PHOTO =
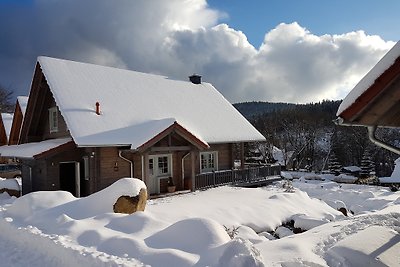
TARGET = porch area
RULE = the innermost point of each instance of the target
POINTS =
(251, 176)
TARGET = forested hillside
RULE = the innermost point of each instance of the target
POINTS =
(308, 136)
(252, 109)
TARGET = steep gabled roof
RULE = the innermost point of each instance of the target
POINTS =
(5, 127)
(375, 100)
(35, 149)
(22, 101)
(19, 113)
(136, 107)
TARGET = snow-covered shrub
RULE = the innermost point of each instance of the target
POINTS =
(288, 186)
(232, 232)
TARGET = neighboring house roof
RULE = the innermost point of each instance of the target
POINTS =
(19, 113)
(136, 107)
(375, 100)
(34, 149)
(22, 102)
(352, 168)
(6, 121)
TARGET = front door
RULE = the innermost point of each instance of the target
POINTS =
(160, 166)
(69, 173)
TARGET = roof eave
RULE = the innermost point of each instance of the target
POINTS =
(102, 145)
(366, 99)
(190, 137)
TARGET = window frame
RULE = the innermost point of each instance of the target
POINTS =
(156, 170)
(209, 157)
(53, 119)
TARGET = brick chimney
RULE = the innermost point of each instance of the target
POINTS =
(195, 78)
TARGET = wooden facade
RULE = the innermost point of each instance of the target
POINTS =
(374, 102)
(16, 125)
(101, 166)
(3, 134)
(379, 104)
(85, 170)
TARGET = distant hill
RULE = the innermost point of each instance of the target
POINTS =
(253, 109)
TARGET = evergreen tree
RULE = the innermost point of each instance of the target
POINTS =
(367, 164)
(334, 165)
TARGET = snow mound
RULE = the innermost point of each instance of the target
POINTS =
(34, 202)
(374, 246)
(187, 230)
(293, 202)
(336, 204)
(282, 232)
(138, 223)
(307, 222)
(248, 233)
(240, 253)
(206, 233)
(28, 246)
(48, 205)
(344, 178)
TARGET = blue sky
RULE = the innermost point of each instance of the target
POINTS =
(313, 50)
(256, 17)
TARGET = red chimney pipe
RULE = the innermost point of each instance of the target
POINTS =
(97, 108)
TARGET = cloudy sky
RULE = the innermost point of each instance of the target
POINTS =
(278, 51)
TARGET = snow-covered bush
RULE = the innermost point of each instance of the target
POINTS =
(288, 186)
(232, 232)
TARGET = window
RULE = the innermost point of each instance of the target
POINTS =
(151, 166)
(86, 167)
(53, 119)
(208, 161)
(160, 165)
(163, 165)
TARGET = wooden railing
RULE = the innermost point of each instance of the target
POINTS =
(247, 175)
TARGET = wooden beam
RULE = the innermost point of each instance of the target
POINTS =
(193, 168)
(383, 109)
(170, 148)
(363, 102)
(145, 170)
(242, 155)
(33, 95)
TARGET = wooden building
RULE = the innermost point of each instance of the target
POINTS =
(19, 113)
(5, 126)
(375, 101)
(86, 126)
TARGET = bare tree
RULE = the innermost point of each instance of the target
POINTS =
(6, 104)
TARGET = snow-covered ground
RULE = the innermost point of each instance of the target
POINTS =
(57, 229)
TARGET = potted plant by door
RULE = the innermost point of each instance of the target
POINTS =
(171, 186)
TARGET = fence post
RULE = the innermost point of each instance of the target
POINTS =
(213, 176)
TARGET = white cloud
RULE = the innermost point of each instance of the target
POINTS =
(177, 38)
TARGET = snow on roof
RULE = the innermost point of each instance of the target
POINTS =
(135, 107)
(23, 102)
(352, 168)
(29, 150)
(7, 122)
(370, 78)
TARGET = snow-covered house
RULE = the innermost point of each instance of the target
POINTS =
(87, 126)
(5, 127)
(375, 100)
(19, 113)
